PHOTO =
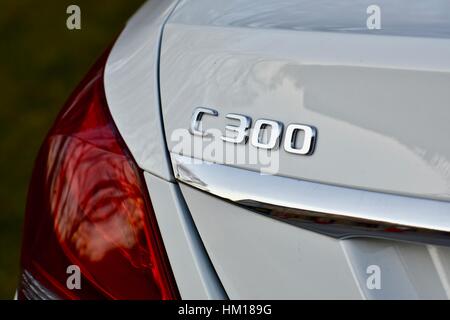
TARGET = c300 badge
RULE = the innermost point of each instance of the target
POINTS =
(241, 132)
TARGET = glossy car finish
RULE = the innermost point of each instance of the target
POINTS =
(132, 86)
(132, 92)
(378, 100)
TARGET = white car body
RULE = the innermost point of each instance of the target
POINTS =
(379, 100)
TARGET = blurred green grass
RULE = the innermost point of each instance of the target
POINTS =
(41, 62)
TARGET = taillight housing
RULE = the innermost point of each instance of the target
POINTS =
(88, 206)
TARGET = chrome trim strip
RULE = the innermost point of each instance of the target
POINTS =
(32, 289)
(331, 210)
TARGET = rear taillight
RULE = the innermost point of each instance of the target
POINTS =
(88, 206)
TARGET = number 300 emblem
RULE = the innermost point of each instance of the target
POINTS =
(240, 133)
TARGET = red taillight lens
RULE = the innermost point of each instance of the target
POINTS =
(88, 206)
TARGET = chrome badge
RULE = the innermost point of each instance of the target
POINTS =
(241, 132)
